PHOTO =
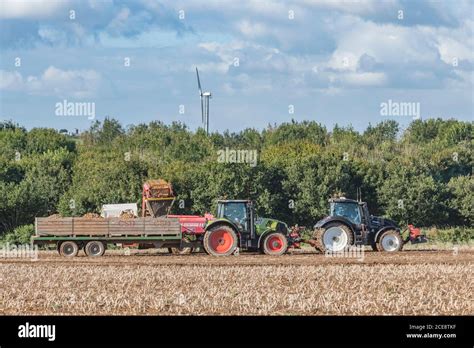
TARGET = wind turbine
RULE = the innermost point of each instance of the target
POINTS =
(205, 96)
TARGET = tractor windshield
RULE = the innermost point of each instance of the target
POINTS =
(235, 212)
(348, 210)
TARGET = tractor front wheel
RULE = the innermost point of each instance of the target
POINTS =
(220, 240)
(390, 241)
(275, 244)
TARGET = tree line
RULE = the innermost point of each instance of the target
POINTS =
(421, 175)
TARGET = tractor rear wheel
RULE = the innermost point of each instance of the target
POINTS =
(390, 241)
(275, 244)
(220, 240)
(333, 237)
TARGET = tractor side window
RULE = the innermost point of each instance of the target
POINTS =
(237, 213)
(348, 210)
(357, 217)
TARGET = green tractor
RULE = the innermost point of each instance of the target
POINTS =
(237, 227)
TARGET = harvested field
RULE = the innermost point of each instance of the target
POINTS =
(412, 282)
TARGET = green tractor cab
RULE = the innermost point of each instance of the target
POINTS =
(350, 223)
(237, 227)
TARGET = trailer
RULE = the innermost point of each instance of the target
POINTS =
(72, 234)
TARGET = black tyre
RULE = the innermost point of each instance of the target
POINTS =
(68, 249)
(182, 251)
(220, 240)
(94, 249)
(390, 241)
(334, 237)
(275, 244)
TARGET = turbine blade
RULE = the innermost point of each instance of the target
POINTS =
(199, 82)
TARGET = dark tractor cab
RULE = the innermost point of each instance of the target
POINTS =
(350, 223)
(236, 225)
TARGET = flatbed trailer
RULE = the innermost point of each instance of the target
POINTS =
(71, 234)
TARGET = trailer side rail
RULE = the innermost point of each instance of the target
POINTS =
(113, 227)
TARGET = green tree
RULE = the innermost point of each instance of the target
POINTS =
(409, 197)
(462, 200)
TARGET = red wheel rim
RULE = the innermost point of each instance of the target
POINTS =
(274, 243)
(221, 241)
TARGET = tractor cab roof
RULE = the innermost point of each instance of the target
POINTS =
(345, 200)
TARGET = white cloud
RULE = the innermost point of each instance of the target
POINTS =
(53, 81)
(387, 43)
(51, 34)
(359, 7)
(10, 80)
(225, 52)
(252, 29)
(120, 21)
(454, 43)
(31, 8)
(364, 79)
(450, 48)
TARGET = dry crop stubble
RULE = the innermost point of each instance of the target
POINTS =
(201, 284)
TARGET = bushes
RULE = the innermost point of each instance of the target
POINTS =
(462, 199)
(451, 235)
(20, 235)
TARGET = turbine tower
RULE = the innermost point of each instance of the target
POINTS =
(205, 96)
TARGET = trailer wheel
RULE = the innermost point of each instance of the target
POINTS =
(275, 244)
(390, 241)
(68, 249)
(94, 248)
(220, 240)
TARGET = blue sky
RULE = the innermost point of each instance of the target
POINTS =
(332, 61)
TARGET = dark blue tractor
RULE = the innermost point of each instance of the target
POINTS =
(350, 223)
